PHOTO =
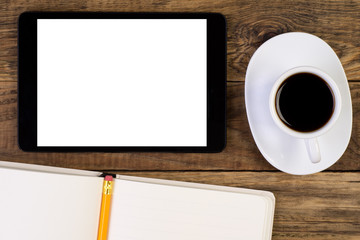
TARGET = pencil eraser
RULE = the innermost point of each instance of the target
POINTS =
(108, 178)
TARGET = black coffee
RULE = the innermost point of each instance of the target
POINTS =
(304, 102)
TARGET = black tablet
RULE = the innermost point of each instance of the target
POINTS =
(118, 82)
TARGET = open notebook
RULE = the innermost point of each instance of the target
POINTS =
(43, 203)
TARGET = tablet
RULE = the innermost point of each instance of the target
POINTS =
(118, 82)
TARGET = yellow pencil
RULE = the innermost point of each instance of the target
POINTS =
(105, 208)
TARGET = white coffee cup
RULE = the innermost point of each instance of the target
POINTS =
(311, 136)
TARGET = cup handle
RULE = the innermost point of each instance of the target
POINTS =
(313, 150)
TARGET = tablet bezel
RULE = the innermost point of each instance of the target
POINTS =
(27, 81)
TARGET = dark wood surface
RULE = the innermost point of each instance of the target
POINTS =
(325, 205)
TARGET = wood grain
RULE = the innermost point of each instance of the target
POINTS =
(317, 207)
(323, 206)
(250, 23)
(241, 152)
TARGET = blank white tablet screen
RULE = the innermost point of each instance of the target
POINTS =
(121, 82)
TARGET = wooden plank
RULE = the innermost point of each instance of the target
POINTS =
(250, 23)
(241, 152)
(322, 206)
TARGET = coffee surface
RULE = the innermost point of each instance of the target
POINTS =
(304, 102)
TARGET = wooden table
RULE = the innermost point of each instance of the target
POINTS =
(325, 205)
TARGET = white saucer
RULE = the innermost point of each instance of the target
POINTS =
(270, 60)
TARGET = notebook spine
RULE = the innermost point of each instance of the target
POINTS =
(107, 174)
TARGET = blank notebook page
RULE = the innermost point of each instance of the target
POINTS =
(48, 206)
(158, 212)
